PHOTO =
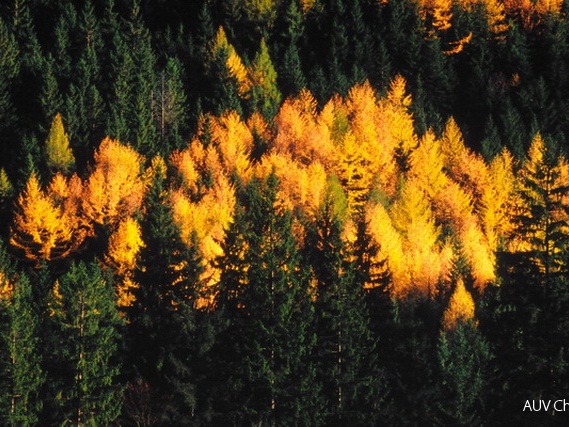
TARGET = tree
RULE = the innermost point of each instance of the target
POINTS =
(115, 188)
(58, 151)
(264, 347)
(163, 317)
(170, 110)
(21, 374)
(9, 69)
(463, 355)
(42, 229)
(265, 95)
(122, 254)
(345, 350)
(85, 327)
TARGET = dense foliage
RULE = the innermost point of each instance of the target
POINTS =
(284, 212)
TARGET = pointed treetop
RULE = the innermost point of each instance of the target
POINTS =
(460, 308)
(58, 151)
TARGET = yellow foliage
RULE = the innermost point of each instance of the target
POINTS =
(208, 218)
(234, 141)
(497, 198)
(390, 242)
(299, 133)
(478, 254)
(115, 189)
(184, 164)
(460, 308)
(58, 151)
(124, 245)
(6, 287)
(301, 187)
(235, 67)
(413, 218)
(427, 166)
(41, 228)
(397, 120)
(6, 188)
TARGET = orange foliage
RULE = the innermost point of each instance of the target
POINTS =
(300, 134)
(124, 246)
(234, 142)
(115, 188)
(42, 228)
(460, 308)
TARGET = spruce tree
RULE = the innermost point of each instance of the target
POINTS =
(263, 357)
(346, 350)
(83, 347)
(21, 374)
(265, 95)
(162, 330)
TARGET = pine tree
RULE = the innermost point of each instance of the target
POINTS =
(263, 366)
(144, 135)
(85, 333)
(9, 70)
(21, 374)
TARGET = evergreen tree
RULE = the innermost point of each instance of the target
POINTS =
(9, 69)
(21, 374)
(263, 366)
(170, 110)
(265, 95)
(83, 347)
(346, 352)
(163, 325)
(463, 355)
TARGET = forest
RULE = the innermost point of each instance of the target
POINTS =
(284, 212)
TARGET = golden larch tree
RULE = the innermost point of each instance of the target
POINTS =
(460, 308)
(42, 230)
(124, 245)
(234, 142)
(116, 186)
(57, 148)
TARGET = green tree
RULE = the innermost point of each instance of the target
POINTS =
(9, 70)
(263, 367)
(162, 330)
(346, 351)
(21, 374)
(83, 347)
(463, 355)
(265, 95)
(170, 110)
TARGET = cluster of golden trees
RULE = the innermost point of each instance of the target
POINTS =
(427, 200)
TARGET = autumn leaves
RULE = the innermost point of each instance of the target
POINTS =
(426, 200)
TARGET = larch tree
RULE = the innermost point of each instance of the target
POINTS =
(42, 229)
(57, 148)
(122, 254)
(115, 188)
